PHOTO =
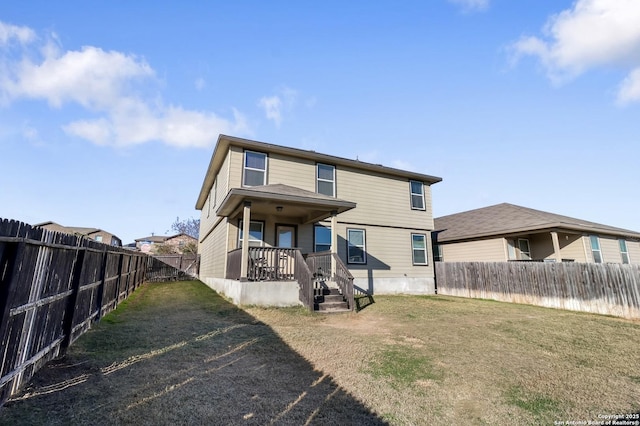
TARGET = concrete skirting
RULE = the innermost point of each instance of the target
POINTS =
(399, 285)
(260, 293)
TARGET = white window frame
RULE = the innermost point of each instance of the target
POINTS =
(413, 249)
(624, 254)
(511, 250)
(597, 250)
(315, 240)
(420, 194)
(363, 247)
(252, 242)
(319, 179)
(245, 168)
(524, 253)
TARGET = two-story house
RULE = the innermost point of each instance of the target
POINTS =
(311, 217)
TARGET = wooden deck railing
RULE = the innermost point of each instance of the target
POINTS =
(320, 264)
(304, 276)
(265, 264)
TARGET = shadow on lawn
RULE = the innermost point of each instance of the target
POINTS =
(197, 360)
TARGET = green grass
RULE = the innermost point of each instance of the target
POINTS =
(402, 366)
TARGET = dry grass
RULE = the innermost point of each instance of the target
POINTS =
(179, 354)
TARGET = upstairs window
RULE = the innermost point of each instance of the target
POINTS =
(326, 179)
(356, 249)
(321, 238)
(417, 195)
(623, 251)
(255, 169)
(595, 249)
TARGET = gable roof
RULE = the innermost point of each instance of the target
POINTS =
(505, 219)
(153, 238)
(224, 142)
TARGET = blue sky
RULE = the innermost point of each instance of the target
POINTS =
(109, 112)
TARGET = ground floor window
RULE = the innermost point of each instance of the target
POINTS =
(321, 238)
(623, 251)
(256, 233)
(419, 248)
(525, 251)
(356, 250)
(595, 249)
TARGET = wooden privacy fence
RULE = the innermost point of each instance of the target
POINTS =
(188, 263)
(53, 286)
(609, 289)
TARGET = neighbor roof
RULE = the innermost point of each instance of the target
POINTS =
(505, 218)
(225, 141)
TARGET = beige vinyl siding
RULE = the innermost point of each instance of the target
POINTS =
(541, 246)
(388, 251)
(292, 171)
(213, 252)
(492, 250)
(381, 200)
(236, 163)
(571, 247)
(609, 249)
(634, 252)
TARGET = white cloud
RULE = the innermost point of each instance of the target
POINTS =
(594, 33)
(275, 106)
(8, 32)
(272, 106)
(471, 5)
(629, 90)
(111, 85)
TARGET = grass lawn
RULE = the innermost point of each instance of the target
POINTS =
(177, 353)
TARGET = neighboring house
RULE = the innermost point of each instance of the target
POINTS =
(182, 243)
(149, 244)
(295, 203)
(177, 243)
(506, 232)
(96, 234)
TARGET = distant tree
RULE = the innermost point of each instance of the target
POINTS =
(165, 249)
(188, 226)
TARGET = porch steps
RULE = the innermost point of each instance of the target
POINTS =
(330, 301)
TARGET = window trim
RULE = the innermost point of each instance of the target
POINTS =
(245, 168)
(624, 254)
(413, 250)
(421, 194)
(240, 231)
(319, 179)
(595, 238)
(520, 251)
(315, 243)
(363, 247)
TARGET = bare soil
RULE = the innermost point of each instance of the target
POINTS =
(177, 353)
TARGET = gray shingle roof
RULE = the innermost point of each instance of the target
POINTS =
(507, 218)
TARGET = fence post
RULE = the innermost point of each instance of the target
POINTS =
(103, 273)
(67, 325)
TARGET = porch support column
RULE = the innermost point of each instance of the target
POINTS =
(246, 223)
(334, 240)
(556, 246)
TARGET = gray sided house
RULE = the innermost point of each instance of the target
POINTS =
(506, 232)
(336, 219)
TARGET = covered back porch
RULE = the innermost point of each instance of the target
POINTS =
(265, 260)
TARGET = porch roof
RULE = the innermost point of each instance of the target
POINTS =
(283, 199)
(508, 219)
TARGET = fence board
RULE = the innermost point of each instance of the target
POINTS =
(610, 289)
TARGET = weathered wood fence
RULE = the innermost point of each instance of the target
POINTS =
(188, 263)
(53, 286)
(610, 289)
